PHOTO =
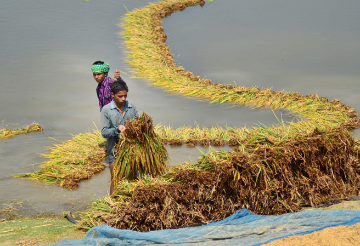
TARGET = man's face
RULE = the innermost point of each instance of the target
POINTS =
(120, 97)
(99, 77)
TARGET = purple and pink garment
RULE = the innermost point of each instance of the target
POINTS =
(103, 91)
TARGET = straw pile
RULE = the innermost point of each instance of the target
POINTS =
(266, 180)
(140, 151)
(8, 133)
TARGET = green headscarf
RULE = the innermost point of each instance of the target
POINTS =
(100, 68)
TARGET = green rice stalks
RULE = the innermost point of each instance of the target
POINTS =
(140, 151)
(8, 133)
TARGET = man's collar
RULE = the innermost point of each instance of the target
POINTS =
(112, 104)
(127, 104)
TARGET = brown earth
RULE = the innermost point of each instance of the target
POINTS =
(339, 235)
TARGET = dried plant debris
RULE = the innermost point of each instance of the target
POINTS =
(8, 133)
(262, 178)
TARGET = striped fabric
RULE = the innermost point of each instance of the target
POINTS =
(103, 91)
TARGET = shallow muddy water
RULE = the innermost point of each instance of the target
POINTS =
(47, 48)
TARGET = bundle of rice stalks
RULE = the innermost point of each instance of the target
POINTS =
(265, 179)
(191, 136)
(103, 209)
(72, 161)
(7, 133)
(303, 171)
(140, 151)
(152, 59)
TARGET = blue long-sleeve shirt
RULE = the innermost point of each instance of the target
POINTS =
(111, 119)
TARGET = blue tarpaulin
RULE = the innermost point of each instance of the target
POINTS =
(242, 228)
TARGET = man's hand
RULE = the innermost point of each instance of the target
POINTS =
(117, 74)
(121, 128)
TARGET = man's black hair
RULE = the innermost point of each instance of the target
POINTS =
(119, 85)
(98, 62)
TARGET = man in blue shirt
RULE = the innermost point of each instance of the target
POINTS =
(113, 117)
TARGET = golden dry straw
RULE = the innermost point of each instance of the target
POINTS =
(8, 133)
(140, 152)
(72, 161)
(266, 180)
(150, 58)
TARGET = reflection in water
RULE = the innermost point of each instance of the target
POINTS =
(48, 49)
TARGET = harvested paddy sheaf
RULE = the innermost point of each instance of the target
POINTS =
(150, 58)
(72, 161)
(139, 151)
(306, 170)
(8, 133)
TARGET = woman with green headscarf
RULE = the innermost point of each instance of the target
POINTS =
(100, 71)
